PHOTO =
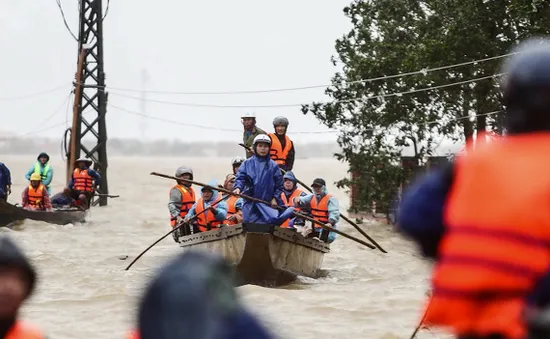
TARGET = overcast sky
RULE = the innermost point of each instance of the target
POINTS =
(185, 46)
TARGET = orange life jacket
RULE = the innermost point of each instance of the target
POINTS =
(82, 181)
(319, 210)
(35, 196)
(205, 221)
(231, 209)
(290, 202)
(187, 201)
(22, 330)
(134, 334)
(497, 240)
(276, 151)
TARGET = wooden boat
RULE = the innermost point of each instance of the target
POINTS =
(10, 213)
(264, 255)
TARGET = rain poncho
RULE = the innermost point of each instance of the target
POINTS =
(220, 210)
(332, 206)
(261, 178)
(193, 297)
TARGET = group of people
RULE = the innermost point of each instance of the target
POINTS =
(37, 195)
(265, 174)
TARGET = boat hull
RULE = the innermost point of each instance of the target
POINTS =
(264, 255)
(10, 213)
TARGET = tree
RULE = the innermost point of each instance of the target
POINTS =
(402, 36)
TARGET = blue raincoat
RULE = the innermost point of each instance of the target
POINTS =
(220, 210)
(261, 178)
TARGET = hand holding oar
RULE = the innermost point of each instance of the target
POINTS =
(359, 229)
(323, 226)
(176, 228)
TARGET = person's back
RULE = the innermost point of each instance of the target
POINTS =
(484, 217)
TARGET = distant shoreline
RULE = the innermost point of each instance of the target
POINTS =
(159, 148)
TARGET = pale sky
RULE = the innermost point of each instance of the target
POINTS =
(185, 46)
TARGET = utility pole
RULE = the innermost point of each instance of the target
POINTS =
(90, 100)
(143, 102)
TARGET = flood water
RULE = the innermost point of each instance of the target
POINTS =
(84, 291)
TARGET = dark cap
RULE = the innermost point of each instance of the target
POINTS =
(319, 182)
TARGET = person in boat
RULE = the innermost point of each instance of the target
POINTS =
(236, 163)
(193, 297)
(63, 199)
(324, 207)
(234, 204)
(35, 196)
(483, 217)
(291, 191)
(83, 182)
(282, 148)
(43, 168)
(251, 131)
(5, 181)
(214, 215)
(182, 198)
(261, 178)
(17, 283)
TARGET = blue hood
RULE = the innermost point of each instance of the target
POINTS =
(212, 183)
(290, 176)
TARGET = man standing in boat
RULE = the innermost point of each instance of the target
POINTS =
(83, 182)
(282, 148)
(324, 207)
(43, 168)
(261, 178)
(17, 283)
(35, 196)
(251, 131)
(213, 217)
(5, 181)
(182, 198)
(291, 191)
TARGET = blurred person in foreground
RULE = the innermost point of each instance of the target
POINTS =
(17, 282)
(193, 297)
(484, 218)
(5, 181)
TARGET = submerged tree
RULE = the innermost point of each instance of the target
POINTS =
(380, 117)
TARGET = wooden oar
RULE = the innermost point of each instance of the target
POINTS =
(106, 195)
(359, 229)
(299, 215)
(176, 228)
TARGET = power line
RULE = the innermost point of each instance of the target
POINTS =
(49, 117)
(203, 126)
(292, 132)
(106, 10)
(34, 94)
(300, 104)
(64, 19)
(398, 75)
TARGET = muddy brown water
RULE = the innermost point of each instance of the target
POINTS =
(84, 291)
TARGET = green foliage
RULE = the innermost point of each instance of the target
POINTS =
(399, 36)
